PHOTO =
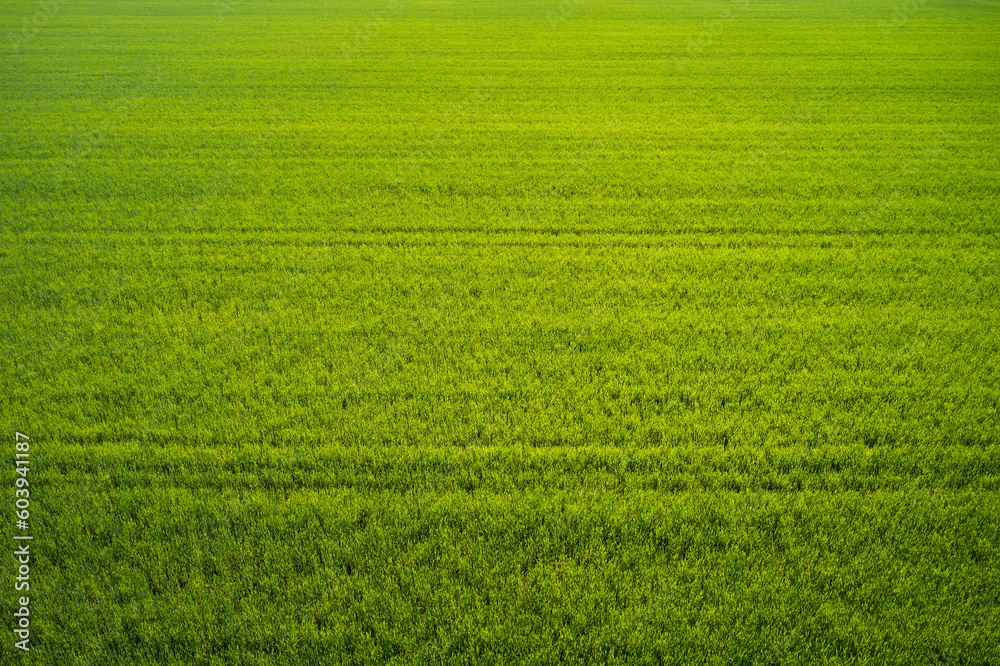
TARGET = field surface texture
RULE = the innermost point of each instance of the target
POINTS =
(482, 332)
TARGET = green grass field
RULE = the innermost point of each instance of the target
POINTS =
(502, 332)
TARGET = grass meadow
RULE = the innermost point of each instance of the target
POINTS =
(502, 331)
